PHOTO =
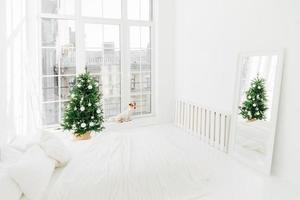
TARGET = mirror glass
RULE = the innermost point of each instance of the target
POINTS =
(257, 94)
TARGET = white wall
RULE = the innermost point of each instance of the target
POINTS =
(164, 56)
(209, 36)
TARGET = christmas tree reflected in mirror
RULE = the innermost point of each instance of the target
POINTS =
(254, 106)
(257, 97)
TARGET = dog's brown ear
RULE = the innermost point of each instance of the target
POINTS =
(134, 103)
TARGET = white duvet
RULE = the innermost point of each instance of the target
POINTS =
(135, 165)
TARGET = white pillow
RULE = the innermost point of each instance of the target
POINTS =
(9, 190)
(55, 148)
(9, 154)
(22, 143)
(32, 172)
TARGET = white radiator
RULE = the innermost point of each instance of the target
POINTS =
(210, 125)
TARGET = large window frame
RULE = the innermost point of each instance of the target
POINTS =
(124, 26)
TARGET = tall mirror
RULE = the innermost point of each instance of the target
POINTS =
(255, 117)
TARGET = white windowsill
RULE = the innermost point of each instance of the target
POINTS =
(139, 121)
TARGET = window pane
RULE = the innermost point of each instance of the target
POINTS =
(111, 106)
(101, 8)
(50, 88)
(145, 37)
(98, 79)
(58, 33)
(94, 36)
(111, 77)
(139, 9)
(49, 63)
(145, 10)
(66, 30)
(133, 9)
(146, 60)
(49, 32)
(140, 82)
(135, 82)
(94, 61)
(111, 37)
(143, 104)
(137, 100)
(146, 104)
(68, 61)
(91, 8)
(66, 82)
(146, 82)
(49, 6)
(139, 37)
(58, 7)
(111, 85)
(112, 60)
(135, 37)
(135, 60)
(50, 113)
(63, 108)
(112, 8)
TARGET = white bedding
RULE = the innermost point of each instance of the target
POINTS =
(138, 164)
(51, 184)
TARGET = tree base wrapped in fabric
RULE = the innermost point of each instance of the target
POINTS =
(85, 136)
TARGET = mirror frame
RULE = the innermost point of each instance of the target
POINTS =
(272, 124)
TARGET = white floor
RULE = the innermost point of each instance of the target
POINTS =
(230, 179)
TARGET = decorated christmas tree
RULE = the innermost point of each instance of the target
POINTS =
(254, 107)
(84, 113)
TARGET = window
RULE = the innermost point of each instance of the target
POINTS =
(107, 38)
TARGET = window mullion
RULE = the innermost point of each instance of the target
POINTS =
(79, 27)
(59, 84)
(102, 8)
(56, 16)
(152, 64)
(140, 72)
(125, 68)
(151, 10)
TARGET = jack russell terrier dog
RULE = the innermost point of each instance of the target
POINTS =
(126, 115)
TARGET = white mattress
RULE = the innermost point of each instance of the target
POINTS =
(150, 163)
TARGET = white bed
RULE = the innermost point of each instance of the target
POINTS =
(158, 162)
